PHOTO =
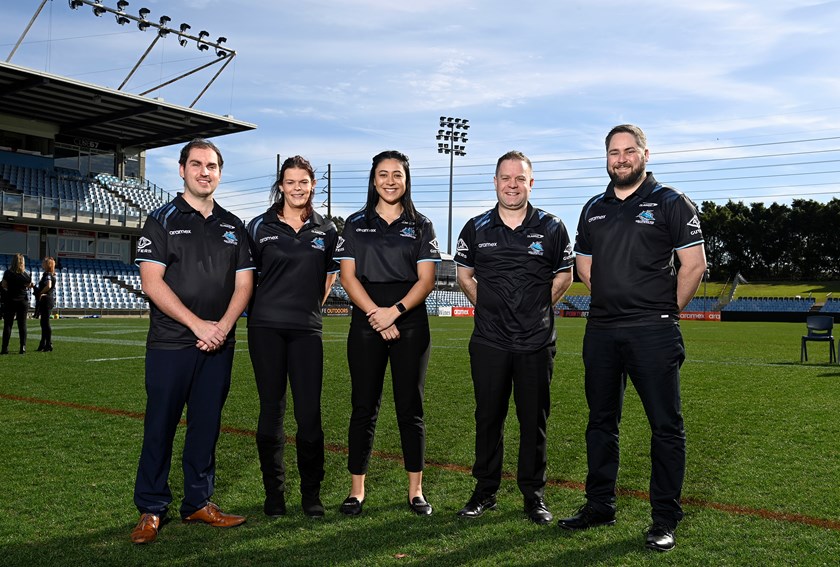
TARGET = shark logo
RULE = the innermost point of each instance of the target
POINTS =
(318, 244)
(230, 238)
(536, 249)
(645, 217)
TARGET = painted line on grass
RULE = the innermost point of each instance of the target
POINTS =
(395, 458)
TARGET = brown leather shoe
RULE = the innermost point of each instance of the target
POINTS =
(211, 514)
(146, 530)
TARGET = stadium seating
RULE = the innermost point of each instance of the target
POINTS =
(83, 284)
(771, 304)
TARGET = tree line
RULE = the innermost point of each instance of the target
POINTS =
(776, 242)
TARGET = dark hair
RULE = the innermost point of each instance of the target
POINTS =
(635, 131)
(18, 265)
(203, 144)
(276, 195)
(373, 196)
(514, 155)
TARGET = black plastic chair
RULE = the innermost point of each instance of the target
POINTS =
(819, 329)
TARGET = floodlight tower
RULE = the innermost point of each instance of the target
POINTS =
(453, 132)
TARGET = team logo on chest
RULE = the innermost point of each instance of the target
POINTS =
(645, 217)
(536, 248)
(408, 232)
(229, 238)
(318, 244)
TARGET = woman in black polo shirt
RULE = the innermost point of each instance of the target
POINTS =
(16, 283)
(388, 252)
(44, 303)
(292, 247)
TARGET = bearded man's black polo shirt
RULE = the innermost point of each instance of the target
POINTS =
(632, 244)
(515, 270)
(292, 269)
(202, 257)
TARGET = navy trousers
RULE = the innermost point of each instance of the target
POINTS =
(175, 378)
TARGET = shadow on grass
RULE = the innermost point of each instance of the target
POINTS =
(380, 537)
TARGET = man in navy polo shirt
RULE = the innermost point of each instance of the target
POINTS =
(627, 238)
(514, 263)
(196, 270)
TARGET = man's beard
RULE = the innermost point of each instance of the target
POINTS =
(634, 176)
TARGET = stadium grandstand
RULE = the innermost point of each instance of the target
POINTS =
(72, 177)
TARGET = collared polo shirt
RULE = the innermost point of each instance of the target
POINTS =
(292, 271)
(387, 253)
(202, 257)
(632, 244)
(515, 269)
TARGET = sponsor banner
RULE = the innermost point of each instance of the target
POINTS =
(444, 311)
(572, 313)
(700, 315)
(463, 311)
(336, 311)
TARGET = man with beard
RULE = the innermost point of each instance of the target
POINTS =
(626, 241)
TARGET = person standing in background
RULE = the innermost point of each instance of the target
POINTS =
(44, 303)
(16, 283)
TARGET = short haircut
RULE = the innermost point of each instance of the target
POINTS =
(635, 131)
(514, 155)
(203, 144)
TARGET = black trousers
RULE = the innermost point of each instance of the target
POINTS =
(651, 356)
(368, 355)
(175, 378)
(495, 373)
(297, 358)
(14, 310)
(45, 315)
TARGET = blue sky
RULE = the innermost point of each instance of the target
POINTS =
(739, 98)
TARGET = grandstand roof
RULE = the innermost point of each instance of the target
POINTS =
(83, 110)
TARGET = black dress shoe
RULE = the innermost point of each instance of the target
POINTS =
(312, 506)
(537, 512)
(275, 505)
(419, 506)
(585, 518)
(660, 538)
(351, 506)
(477, 505)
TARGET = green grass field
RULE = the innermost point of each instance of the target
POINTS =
(761, 485)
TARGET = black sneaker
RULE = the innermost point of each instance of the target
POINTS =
(586, 517)
(660, 538)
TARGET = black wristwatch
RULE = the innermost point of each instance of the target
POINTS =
(400, 307)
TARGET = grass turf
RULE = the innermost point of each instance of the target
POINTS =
(761, 485)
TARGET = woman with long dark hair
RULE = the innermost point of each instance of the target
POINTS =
(388, 253)
(292, 246)
(16, 283)
(44, 303)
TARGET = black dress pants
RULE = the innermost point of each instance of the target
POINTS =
(14, 310)
(495, 373)
(651, 356)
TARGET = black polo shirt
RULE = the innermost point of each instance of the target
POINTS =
(202, 257)
(387, 253)
(292, 270)
(632, 245)
(514, 270)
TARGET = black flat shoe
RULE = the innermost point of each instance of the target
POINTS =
(351, 506)
(419, 506)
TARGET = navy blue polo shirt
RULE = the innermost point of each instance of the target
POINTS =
(515, 269)
(202, 257)
(387, 253)
(292, 271)
(632, 245)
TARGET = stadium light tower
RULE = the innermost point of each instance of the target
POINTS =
(453, 132)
